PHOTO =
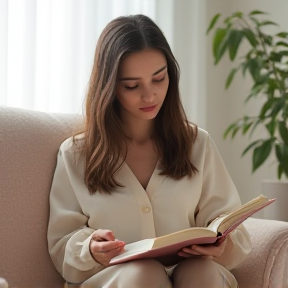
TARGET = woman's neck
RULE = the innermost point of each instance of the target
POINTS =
(139, 131)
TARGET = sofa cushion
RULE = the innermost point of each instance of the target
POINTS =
(267, 265)
(29, 143)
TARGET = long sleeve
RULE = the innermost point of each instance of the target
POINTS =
(219, 195)
(68, 234)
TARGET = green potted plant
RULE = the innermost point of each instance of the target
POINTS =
(265, 58)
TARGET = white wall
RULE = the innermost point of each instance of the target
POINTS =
(188, 42)
(225, 106)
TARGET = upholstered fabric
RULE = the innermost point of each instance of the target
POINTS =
(267, 265)
(29, 142)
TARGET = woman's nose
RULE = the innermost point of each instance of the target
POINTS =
(148, 94)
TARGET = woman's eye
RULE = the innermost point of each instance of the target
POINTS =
(159, 80)
(131, 87)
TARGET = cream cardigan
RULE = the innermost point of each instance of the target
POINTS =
(133, 213)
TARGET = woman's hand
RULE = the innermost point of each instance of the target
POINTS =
(104, 246)
(207, 250)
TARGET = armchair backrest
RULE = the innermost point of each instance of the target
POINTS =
(29, 143)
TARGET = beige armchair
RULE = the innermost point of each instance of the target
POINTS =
(29, 143)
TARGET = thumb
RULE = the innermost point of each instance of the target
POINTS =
(103, 235)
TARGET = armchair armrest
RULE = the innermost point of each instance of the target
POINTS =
(267, 264)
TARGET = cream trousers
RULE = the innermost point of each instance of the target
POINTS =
(149, 273)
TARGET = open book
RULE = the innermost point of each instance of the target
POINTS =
(172, 243)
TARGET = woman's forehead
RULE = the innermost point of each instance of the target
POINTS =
(144, 62)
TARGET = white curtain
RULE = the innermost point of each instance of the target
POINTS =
(47, 47)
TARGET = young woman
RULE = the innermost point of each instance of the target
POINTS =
(139, 170)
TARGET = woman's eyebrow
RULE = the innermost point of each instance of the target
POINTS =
(161, 69)
(137, 78)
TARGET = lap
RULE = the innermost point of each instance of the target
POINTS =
(149, 272)
(202, 272)
(141, 273)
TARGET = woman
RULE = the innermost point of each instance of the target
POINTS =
(139, 170)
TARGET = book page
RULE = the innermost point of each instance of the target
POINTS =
(183, 235)
(214, 225)
(234, 218)
(134, 249)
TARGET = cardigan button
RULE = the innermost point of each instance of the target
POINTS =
(146, 209)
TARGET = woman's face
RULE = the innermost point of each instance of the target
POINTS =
(142, 84)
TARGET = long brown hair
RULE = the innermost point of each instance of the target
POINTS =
(174, 136)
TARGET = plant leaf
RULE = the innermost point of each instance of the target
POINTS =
(213, 22)
(229, 129)
(257, 88)
(255, 66)
(221, 44)
(250, 36)
(219, 36)
(235, 131)
(234, 41)
(261, 153)
(246, 127)
(283, 130)
(280, 151)
(276, 107)
(280, 171)
(282, 156)
(285, 171)
(272, 86)
(250, 146)
(275, 56)
(230, 77)
(256, 123)
(282, 43)
(255, 21)
(267, 39)
(238, 15)
(271, 127)
(256, 12)
(268, 23)
(266, 107)
(283, 53)
(245, 65)
(282, 34)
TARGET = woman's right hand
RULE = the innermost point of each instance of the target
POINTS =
(104, 246)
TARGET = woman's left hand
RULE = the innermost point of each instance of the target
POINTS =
(207, 250)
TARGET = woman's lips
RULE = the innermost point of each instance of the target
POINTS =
(148, 109)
